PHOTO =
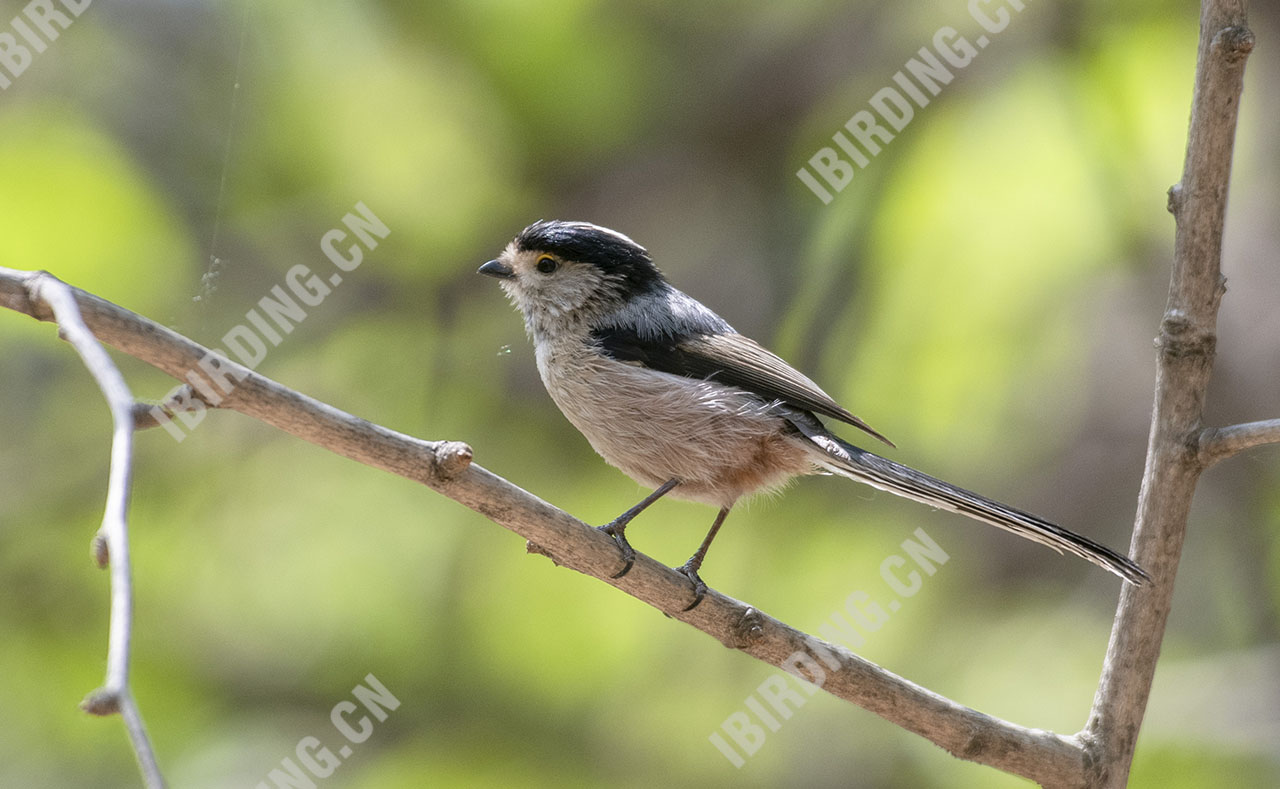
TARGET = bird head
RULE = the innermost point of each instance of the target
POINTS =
(563, 273)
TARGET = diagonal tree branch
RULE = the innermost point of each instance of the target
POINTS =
(1180, 448)
(1186, 345)
(1048, 758)
(1220, 443)
(111, 543)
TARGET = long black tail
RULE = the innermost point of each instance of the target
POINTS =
(879, 472)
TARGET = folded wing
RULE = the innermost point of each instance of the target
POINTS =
(729, 358)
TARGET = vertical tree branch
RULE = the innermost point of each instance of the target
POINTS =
(111, 543)
(1100, 755)
(1186, 348)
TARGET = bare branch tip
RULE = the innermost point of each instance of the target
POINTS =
(101, 702)
(144, 416)
(100, 550)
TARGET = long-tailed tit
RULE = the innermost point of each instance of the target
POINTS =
(667, 391)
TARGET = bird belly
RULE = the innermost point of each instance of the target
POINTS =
(719, 441)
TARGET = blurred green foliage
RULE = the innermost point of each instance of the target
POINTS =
(984, 292)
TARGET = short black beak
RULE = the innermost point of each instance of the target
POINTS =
(496, 268)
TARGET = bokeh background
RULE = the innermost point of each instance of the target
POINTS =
(985, 292)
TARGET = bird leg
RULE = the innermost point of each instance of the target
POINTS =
(691, 567)
(616, 527)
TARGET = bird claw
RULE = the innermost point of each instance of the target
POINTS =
(699, 587)
(624, 547)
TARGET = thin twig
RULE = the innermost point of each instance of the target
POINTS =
(446, 467)
(111, 544)
(1220, 443)
(1187, 343)
(141, 743)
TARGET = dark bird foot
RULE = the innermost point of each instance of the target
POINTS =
(617, 530)
(616, 527)
(690, 570)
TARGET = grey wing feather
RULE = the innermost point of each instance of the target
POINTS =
(740, 361)
(670, 331)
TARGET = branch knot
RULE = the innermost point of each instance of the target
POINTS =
(1180, 337)
(1232, 43)
(748, 629)
(452, 458)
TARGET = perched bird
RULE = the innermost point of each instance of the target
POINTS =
(667, 391)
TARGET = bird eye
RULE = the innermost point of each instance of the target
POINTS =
(547, 264)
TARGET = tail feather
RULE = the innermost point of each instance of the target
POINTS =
(850, 461)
